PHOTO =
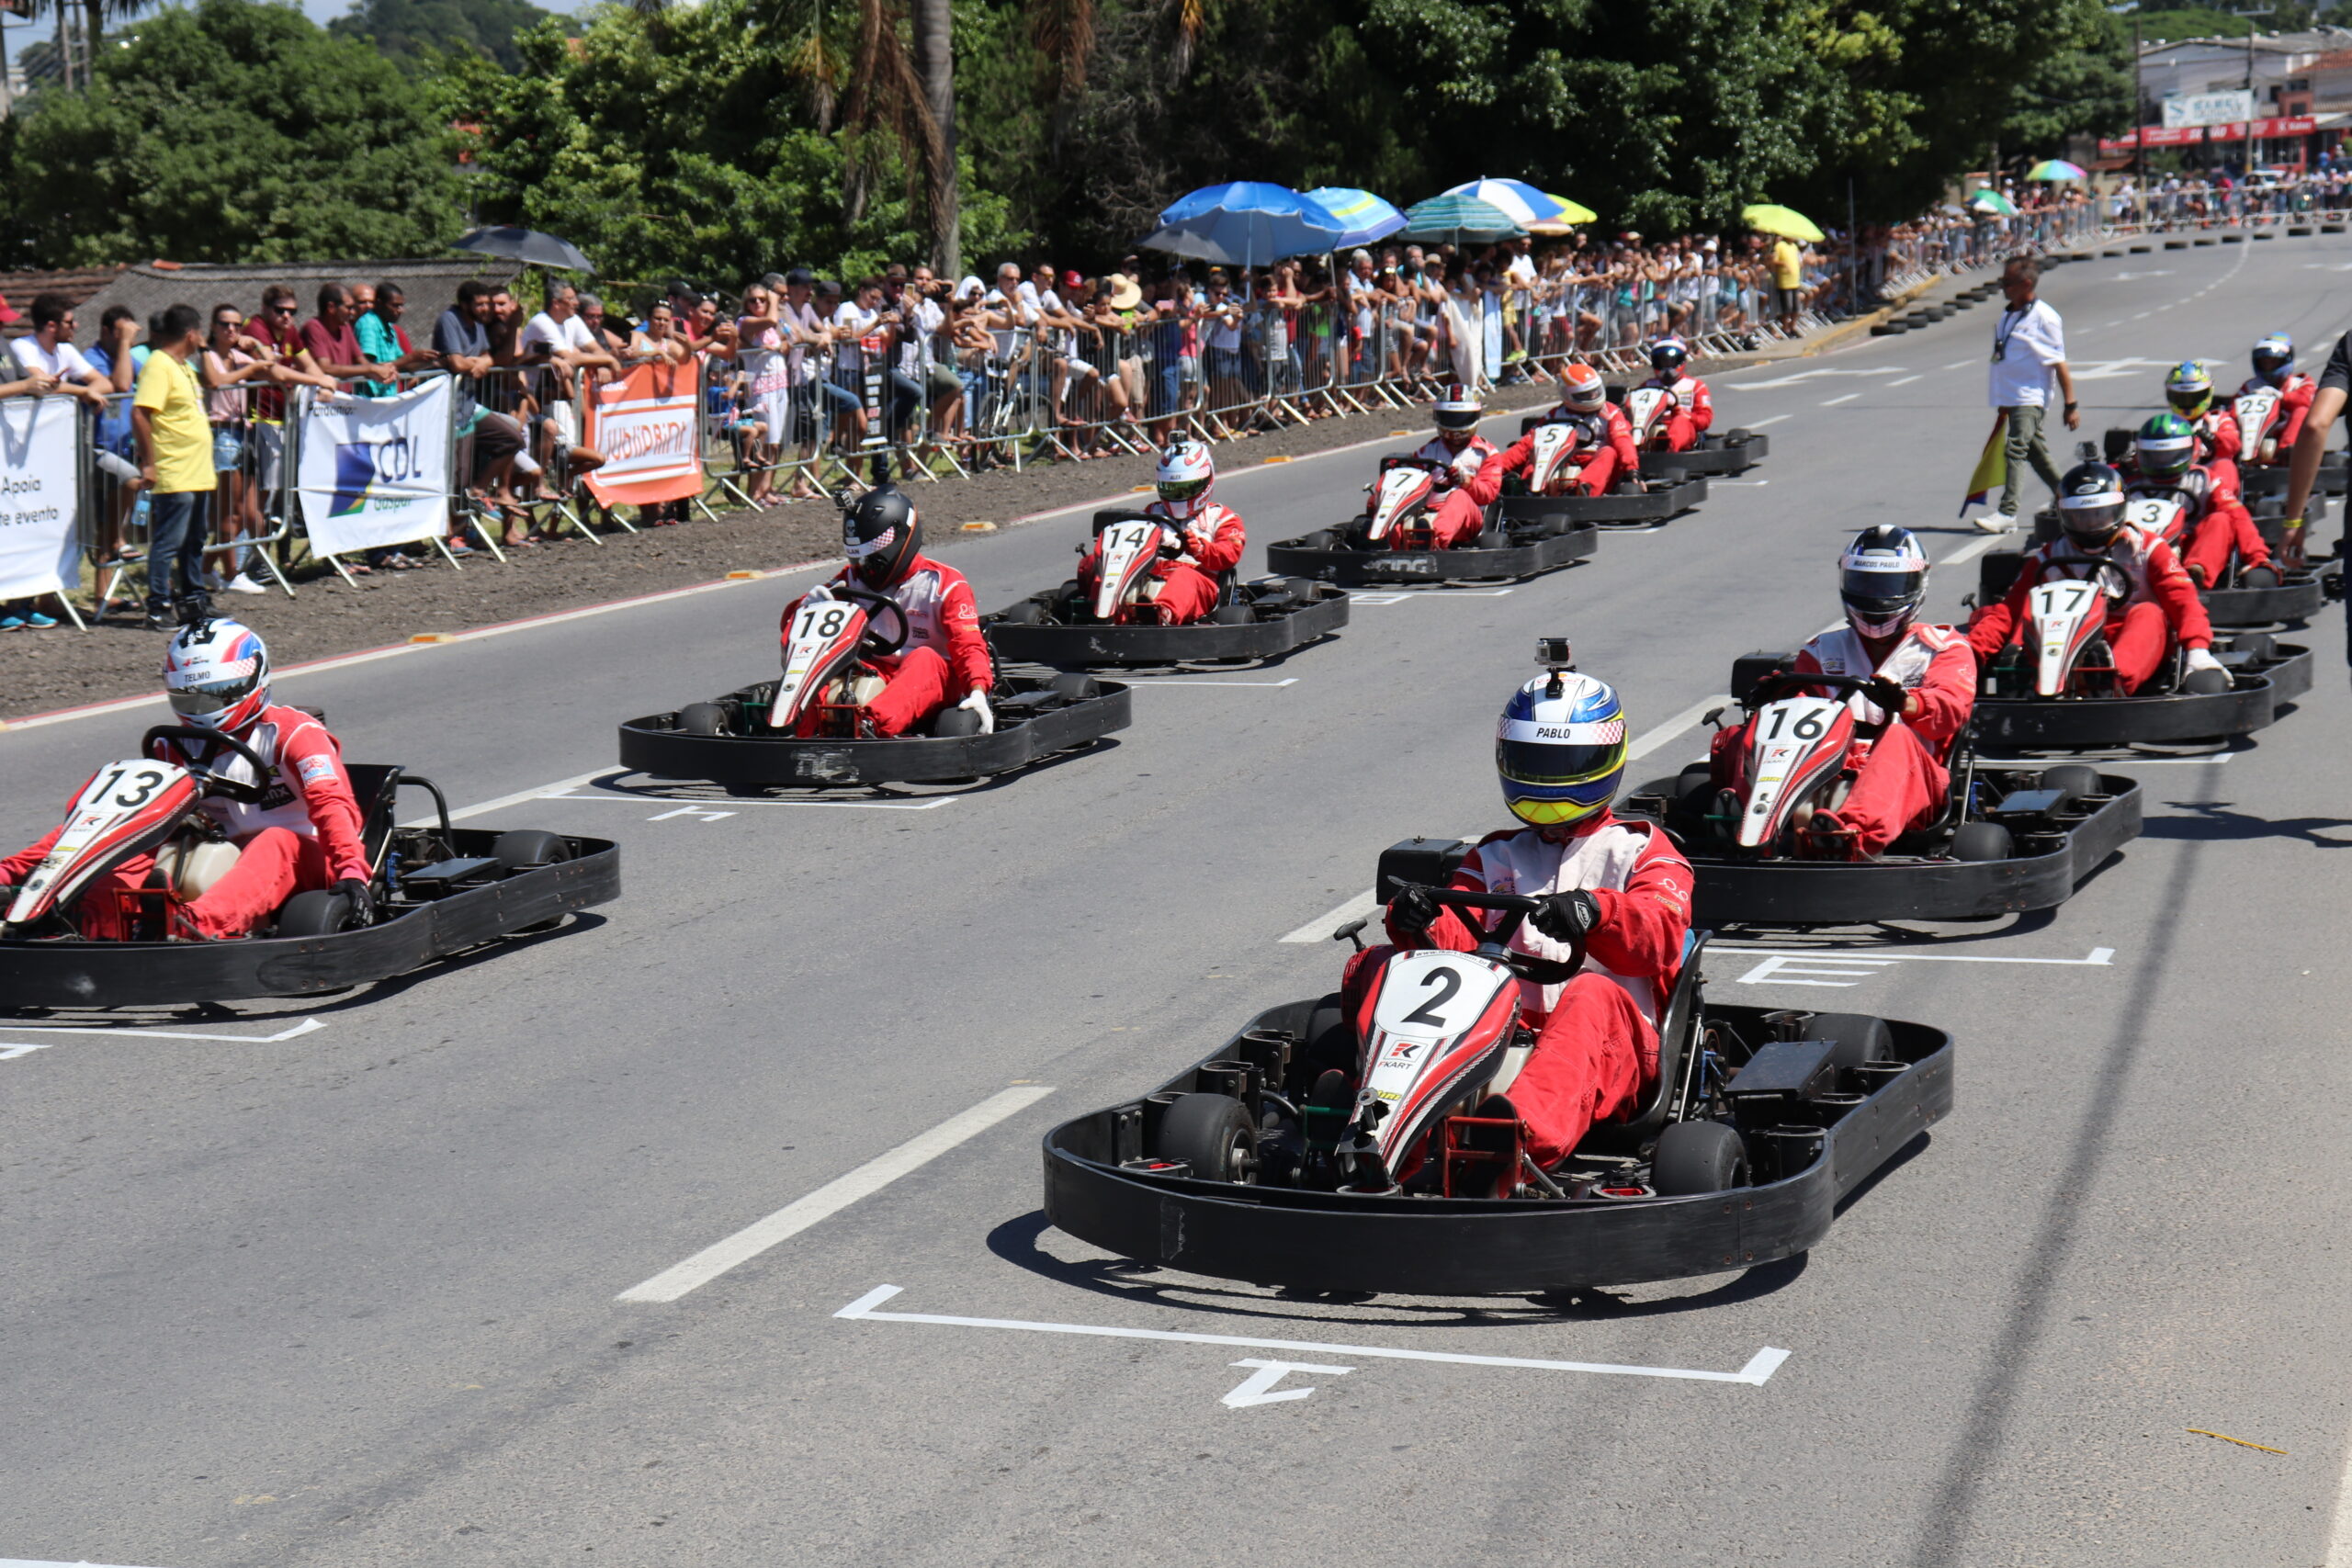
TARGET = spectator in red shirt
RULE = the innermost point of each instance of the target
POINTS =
(333, 345)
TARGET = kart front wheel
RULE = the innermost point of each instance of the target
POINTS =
(1212, 1135)
(319, 912)
(2072, 781)
(1983, 841)
(1858, 1036)
(1698, 1157)
(528, 847)
(702, 718)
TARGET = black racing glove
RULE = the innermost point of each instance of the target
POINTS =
(363, 903)
(1564, 917)
(1889, 693)
(1414, 909)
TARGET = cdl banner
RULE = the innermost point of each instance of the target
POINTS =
(375, 471)
(41, 495)
(644, 426)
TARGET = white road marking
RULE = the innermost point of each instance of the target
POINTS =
(28, 1562)
(1743, 484)
(1252, 1389)
(1790, 968)
(832, 1197)
(1320, 928)
(1264, 685)
(1803, 375)
(1974, 548)
(2339, 1535)
(541, 792)
(1427, 595)
(1760, 424)
(701, 814)
(1904, 382)
(2126, 277)
(11, 1049)
(1848, 398)
(1650, 741)
(1962, 364)
(1760, 1368)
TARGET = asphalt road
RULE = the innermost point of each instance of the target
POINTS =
(349, 1297)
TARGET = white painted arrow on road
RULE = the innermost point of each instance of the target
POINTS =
(1252, 1389)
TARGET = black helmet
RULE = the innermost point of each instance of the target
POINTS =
(2091, 504)
(1667, 356)
(1881, 579)
(881, 534)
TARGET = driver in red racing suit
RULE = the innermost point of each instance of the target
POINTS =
(1694, 410)
(1213, 538)
(304, 835)
(1604, 451)
(1618, 883)
(2274, 370)
(2160, 604)
(1466, 481)
(2215, 521)
(1923, 686)
(2189, 388)
(944, 661)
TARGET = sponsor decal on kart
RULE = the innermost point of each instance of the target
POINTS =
(122, 802)
(824, 634)
(1791, 744)
(1129, 551)
(2062, 616)
(1395, 494)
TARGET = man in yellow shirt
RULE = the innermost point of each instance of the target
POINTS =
(175, 459)
(1788, 280)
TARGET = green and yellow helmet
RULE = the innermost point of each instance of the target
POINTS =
(2188, 389)
(2164, 446)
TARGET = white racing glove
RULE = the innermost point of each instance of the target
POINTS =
(979, 703)
(822, 590)
(2202, 658)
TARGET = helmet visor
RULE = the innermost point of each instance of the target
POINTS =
(1553, 764)
(2189, 400)
(1457, 419)
(211, 697)
(1878, 593)
(2163, 458)
(2269, 362)
(1176, 491)
(2091, 517)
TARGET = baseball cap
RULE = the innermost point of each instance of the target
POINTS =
(1072, 279)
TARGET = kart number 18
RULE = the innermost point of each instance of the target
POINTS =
(823, 620)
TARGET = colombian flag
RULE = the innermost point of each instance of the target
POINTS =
(1992, 466)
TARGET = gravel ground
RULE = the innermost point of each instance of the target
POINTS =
(41, 671)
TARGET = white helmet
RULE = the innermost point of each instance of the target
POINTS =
(1881, 579)
(216, 674)
(1187, 473)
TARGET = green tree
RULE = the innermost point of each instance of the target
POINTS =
(416, 32)
(232, 131)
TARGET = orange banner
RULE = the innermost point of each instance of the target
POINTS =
(644, 424)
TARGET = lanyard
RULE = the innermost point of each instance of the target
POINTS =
(2011, 322)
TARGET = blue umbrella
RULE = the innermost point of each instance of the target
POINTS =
(1245, 224)
(1362, 216)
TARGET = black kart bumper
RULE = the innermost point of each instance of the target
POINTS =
(161, 974)
(1278, 630)
(1367, 568)
(2035, 723)
(1340, 1241)
(1652, 505)
(1736, 455)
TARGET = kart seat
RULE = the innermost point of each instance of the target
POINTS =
(1678, 1028)
(373, 784)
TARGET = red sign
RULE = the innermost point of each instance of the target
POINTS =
(2119, 143)
(2177, 136)
(2289, 125)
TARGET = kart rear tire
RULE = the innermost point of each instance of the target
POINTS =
(1493, 539)
(2259, 577)
(1301, 589)
(955, 721)
(2072, 779)
(319, 912)
(1076, 687)
(2262, 644)
(1698, 1157)
(527, 847)
(2204, 682)
(1983, 841)
(1234, 614)
(702, 718)
(1320, 540)
(1859, 1037)
(1028, 612)
(1212, 1134)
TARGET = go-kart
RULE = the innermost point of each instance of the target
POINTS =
(1650, 409)
(810, 728)
(1390, 541)
(436, 890)
(2007, 839)
(2053, 688)
(1303, 1156)
(1065, 628)
(2259, 597)
(1553, 480)
(2261, 463)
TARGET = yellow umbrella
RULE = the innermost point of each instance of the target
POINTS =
(1781, 221)
(1574, 212)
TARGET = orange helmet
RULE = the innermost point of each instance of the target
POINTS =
(1580, 389)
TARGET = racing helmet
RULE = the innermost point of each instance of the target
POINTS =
(2273, 357)
(1667, 356)
(2164, 446)
(881, 534)
(1187, 473)
(2090, 505)
(1560, 749)
(2189, 388)
(1883, 580)
(1457, 417)
(1581, 389)
(216, 675)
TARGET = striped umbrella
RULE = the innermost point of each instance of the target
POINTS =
(1362, 216)
(2054, 169)
(1993, 201)
(1460, 218)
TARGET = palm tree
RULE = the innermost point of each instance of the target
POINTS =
(887, 96)
(935, 62)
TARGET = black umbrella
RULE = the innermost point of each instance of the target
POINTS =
(524, 245)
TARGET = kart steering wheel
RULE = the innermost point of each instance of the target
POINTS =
(1516, 909)
(1790, 683)
(874, 603)
(214, 781)
(1116, 514)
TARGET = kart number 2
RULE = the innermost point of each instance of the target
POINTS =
(1445, 983)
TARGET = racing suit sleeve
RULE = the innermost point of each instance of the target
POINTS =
(968, 649)
(1621, 440)
(1990, 629)
(2171, 588)
(17, 866)
(2297, 403)
(1947, 692)
(1702, 407)
(2226, 439)
(1219, 551)
(1484, 486)
(1512, 460)
(1644, 923)
(312, 764)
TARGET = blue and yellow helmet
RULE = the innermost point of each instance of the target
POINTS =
(2189, 390)
(1560, 749)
